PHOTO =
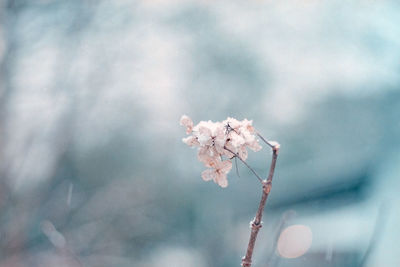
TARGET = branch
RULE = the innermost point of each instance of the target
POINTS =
(236, 167)
(267, 184)
(245, 163)
(270, 143)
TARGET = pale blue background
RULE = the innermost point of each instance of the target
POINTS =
(93, 170)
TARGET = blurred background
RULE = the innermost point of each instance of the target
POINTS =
(94, 172)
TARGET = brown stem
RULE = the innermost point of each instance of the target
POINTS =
(245, 163)
(257, 223)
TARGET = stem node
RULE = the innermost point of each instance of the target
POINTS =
(267, 185)
(245, 262)
(254, 225)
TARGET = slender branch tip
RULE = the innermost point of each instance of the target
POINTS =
(275, 146)
(245, 163)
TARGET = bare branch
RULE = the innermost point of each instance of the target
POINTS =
(245, 163)
(271, 144)
(267, 184)
(236, 167)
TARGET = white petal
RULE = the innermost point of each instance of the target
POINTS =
(255, 146)
(221, 180)
(243, 153)
(237, 140)
(233, 123)
(204, 135)
(225, 166)
(191, 141)
(208, 175)
(186, 121)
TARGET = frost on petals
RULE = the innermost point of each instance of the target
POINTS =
(218, 143)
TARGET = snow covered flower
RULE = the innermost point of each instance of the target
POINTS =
(218, 143)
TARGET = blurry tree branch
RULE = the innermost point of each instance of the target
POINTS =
(377, 232)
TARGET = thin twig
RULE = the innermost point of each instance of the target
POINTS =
(271, 144)
(236, 167)
(245, 163)
(267, 184)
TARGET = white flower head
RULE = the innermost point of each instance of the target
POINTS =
(218, 143)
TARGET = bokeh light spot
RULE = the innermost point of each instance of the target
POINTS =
(294, 241)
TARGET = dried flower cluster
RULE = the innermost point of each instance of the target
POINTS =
(216, 141)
